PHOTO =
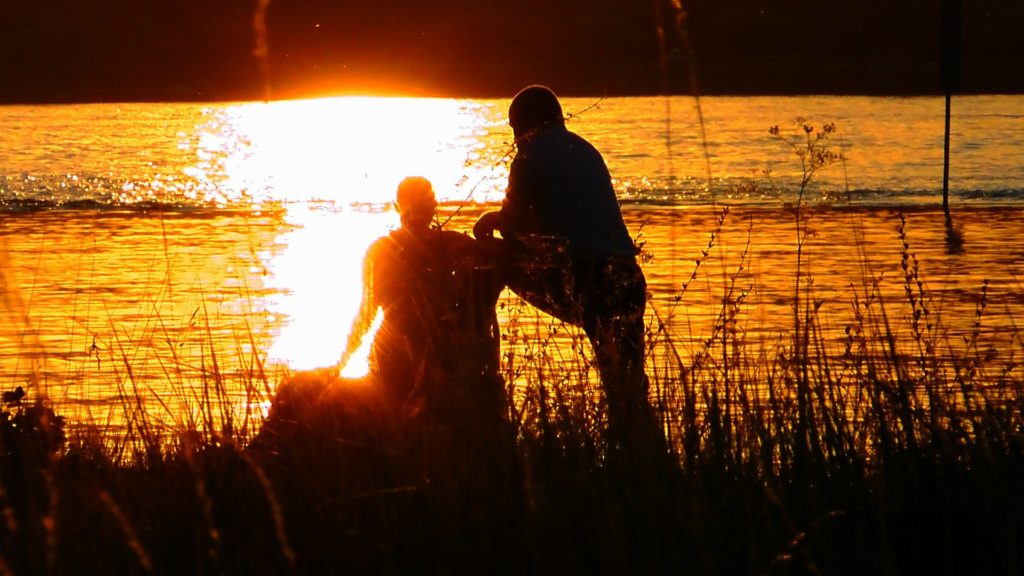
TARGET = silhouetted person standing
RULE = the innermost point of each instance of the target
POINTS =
(561, 218)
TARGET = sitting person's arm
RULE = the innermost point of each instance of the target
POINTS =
(366, 313)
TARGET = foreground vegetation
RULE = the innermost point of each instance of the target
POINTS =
(897, 448)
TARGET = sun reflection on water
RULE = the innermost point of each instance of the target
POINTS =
(319, 276)
(334, 165)
(355, 149)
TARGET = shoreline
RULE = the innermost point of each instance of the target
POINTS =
(280, 208)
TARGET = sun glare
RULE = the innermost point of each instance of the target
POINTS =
(334, 164)
(318, 273)
(355, 149)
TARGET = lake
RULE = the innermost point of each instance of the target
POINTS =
(159, 251)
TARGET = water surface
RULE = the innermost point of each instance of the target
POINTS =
(162, 249)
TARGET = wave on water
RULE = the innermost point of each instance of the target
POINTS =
(748, 192)
(28, 194)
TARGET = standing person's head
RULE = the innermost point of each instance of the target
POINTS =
(416, 202)
(533, 107)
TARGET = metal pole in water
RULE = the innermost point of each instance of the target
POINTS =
(952, 47)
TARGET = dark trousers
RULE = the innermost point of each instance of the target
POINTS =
(606, 297)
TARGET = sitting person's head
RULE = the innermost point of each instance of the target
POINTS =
(416, 202)
(533, 107)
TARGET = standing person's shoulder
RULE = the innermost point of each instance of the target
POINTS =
(578, 141)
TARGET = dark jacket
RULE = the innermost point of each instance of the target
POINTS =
(559, 187)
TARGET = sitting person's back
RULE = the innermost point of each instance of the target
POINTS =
(437, 349)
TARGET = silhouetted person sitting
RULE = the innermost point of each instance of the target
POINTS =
(560, 218)
(436, 354)
(437, 349)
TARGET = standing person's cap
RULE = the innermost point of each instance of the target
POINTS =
(415, 192)
(533, 106)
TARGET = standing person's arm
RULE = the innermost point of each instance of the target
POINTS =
(516, 216)
(487, 224)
